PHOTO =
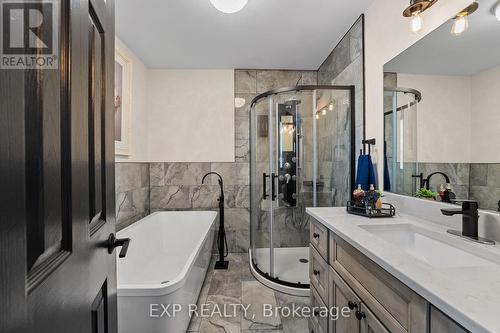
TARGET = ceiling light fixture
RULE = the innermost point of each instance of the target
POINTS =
(415, 10)
(229, 6)
(497, 11)
(461, 23)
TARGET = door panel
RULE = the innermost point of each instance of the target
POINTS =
(261, 186)
(370, 323)
(57, 164)
(342, 296)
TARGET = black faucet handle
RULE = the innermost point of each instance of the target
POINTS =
(466, 203)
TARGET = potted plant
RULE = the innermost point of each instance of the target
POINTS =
(424, 193)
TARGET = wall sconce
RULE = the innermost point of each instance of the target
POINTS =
(415, 10)
(497, 11)
(461, 23)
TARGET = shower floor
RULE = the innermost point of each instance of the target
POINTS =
(288, 265)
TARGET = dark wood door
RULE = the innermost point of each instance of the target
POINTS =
(57, 180)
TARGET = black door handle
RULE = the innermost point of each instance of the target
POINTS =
(273, 187)
(264, 186)
(116, 242)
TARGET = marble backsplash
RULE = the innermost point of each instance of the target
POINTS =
(476, 181)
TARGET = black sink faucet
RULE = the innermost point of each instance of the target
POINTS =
(427, 181)
(470, 219)
(470, 216)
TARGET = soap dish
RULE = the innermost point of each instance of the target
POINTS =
(387, 210)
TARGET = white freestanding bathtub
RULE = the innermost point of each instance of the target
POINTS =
(166, 264)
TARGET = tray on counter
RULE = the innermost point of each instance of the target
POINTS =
(387, 210)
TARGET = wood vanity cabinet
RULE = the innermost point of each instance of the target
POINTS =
(442, 323)
(341, 276)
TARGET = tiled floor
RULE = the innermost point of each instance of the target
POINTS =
(238, 286)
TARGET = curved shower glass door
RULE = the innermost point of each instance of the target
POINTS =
(301, 148)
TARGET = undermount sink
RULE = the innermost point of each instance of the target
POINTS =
(426, 246)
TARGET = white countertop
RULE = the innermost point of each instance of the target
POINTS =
(469, 295)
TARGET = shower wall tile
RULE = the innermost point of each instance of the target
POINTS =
(241, 150)
(309, 78)
(244, 111)
(245, 81)
(241, 128)
(272, 79)
(356, 40)
(344, 66)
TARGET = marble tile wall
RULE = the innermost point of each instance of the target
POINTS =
(345, 66)
(485, 185)
(477, 181)
(459, 174)
(132, 193)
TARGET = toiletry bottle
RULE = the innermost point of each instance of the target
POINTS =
(371, 197)
(378, 204)
(442, 192)
(358, 195)
(449, 194)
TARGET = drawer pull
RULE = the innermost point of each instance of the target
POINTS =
(316, 272)
(360, 315)
(315, 235)
(352, 305)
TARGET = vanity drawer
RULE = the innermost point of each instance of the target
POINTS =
(317, 323)
(319, 237)
(394, 304)
(318, 273)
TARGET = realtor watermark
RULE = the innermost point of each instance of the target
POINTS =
(29, 37)
(210, 310)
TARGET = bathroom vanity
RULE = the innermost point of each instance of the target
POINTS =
(400, 275)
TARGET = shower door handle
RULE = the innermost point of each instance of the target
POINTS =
(264, 186)
(273, 186)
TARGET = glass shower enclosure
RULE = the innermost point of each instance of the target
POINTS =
(400, 140)
(302, 155)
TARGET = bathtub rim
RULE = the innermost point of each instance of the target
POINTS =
(159, 289)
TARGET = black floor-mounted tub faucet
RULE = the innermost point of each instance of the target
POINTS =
(221, 239)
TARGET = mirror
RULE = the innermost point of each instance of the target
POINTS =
(442, 113)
